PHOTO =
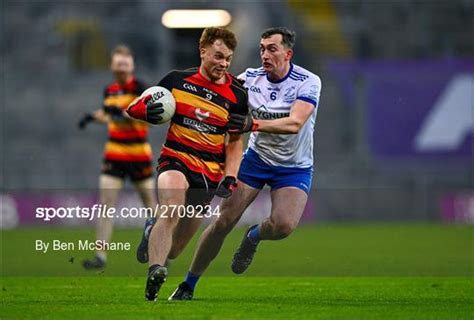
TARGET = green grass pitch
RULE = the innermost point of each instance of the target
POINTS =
(346, 271)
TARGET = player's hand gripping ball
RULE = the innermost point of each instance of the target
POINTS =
(156, 105)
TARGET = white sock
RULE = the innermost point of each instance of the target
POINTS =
(101, 255)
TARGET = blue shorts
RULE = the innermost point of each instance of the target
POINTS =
(256, 173)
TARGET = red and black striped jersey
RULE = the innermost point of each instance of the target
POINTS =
(196, 135)
(128, 138)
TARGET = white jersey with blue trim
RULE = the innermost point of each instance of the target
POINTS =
(273, 100)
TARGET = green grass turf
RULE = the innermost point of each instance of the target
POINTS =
(242, 297)
(349, 271)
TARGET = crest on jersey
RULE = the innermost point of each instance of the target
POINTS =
(290, 95)
(201, 115)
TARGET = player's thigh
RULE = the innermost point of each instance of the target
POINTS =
(110, 187)
(145, 189)
(232, 208)
(288, 205)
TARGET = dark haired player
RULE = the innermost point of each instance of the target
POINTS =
(196, 161)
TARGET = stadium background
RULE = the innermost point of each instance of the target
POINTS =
(394, 139)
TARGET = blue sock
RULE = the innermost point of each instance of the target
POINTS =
(254, 234)
(191, 279)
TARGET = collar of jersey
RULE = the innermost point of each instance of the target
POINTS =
(128, 83)
(228, 79)
(284, 78)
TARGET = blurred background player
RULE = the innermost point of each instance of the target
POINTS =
(127, 152)
(280, 154)
(196, 160)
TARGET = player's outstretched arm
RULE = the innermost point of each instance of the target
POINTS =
(233, 152)
(114, 112)
(97, 116)
(101, 116)
(299, 114)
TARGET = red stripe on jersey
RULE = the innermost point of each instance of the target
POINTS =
(130, 86)
(135, 134)
(124, 157)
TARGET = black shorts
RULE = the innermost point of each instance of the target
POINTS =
(136, 171)
(201, 189)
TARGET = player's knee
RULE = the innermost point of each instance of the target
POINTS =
(223, 226)
(225, 206)
(169, 223)
(283, 229)
(147, 199)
